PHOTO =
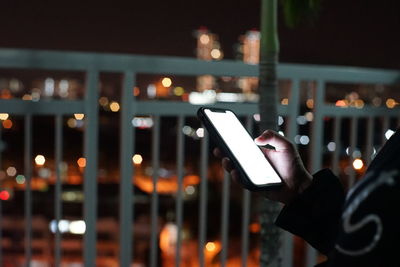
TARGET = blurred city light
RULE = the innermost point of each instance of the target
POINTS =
(341, 103)
(137, 159)
(204, 38)
(358, 164)
(301, 120)
(49, 87)
(81, 162)
(136, 91)
(4, 116)
(389, 133)
(71, 122)
(331, 146)
(27, 97)
(7, 124)
(210, 246)
(309, 116)
(391, 103)
(216, 54)
(166, 82)
(40, 160)
(304, 140)
(189, 190)
(44, 172)
(151, 91)
(310, 103)
(257, 117)
(20, 179)
(63, 88)
(255, 228)
(77, 227)
(35, 94)
(114, 106)
(200, 132)
(4, 195)
(280, 120)
(79, 116)
(103, 101)
(206, 97)
(178, 91)
(11, 171)
(230, 97)
(142, 122)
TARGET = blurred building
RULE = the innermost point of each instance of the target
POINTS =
(208, 48)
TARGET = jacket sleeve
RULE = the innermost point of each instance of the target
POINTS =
(315, 214)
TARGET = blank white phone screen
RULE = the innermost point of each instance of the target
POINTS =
(242, 146)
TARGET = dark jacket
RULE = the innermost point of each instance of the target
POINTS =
(360, 229)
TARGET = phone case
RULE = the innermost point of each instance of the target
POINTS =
(244, 179)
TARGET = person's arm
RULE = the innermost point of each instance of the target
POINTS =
(313, 204)
(315, 214)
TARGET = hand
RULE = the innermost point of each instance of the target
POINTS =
(286, 160)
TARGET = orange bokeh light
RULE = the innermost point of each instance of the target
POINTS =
(81, 162)
(7, 124)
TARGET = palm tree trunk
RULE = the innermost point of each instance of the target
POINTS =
(268, 87)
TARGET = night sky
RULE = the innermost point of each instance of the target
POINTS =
(352, 32)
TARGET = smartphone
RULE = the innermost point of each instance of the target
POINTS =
(224, 127)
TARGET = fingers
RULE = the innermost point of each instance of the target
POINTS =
(227, 164)
(274, 139)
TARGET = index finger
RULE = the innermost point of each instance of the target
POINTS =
(274, 139)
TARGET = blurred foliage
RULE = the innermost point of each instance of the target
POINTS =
(299, 11)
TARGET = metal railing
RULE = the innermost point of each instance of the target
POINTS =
(130, 66)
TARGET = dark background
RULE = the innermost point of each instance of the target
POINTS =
(356, 32)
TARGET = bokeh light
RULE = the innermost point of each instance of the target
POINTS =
(210, 246)
(40, 160)
(81, 162)
(79, 116)
(114, 106)
(20, 179)
(4, 195)
(358, 164)
(166, 82)
(7, 124)
(137, 159)
(4, 116)
(11, 171)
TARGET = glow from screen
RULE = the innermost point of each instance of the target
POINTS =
(242, 146)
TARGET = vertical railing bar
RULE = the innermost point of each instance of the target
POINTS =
(1, 210)
(28, 189)
(246, 209)
(58, 185)
(353, 141)
(154, 197)
(294, 109)
(179, 194)
(369, 150)
(126, 153)
(316, 148)
(317, 128)
(90, 173)
(225, 218)
(203, 198)
(336, 139)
